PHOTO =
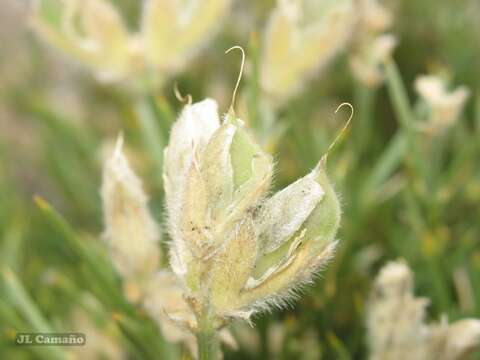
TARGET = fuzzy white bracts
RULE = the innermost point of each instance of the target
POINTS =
(301, 37)
(236, 250)
(396, 323)
(94, 33)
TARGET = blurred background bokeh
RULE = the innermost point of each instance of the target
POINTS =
(407, 169)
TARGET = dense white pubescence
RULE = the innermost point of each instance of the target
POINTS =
(131, 232)
(188, 138)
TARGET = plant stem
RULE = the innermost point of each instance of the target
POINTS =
(207, 341)
(207, 345)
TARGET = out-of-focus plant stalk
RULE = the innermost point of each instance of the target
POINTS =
(24, 303)
(153, 137)
(384, 167)
(416, 194)
(399, 97)
(403, 110)
(97, 267)
(365, 100)
(477, 114)
(402, 141)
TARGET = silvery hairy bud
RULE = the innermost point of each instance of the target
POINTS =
(236, 249)
(130, 230)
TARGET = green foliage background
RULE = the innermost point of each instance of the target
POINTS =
(403, 195)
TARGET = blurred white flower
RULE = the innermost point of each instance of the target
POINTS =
(372, 46)
(366, 62)
(445, 107)
(173, 31)
(93, 32)
(301, 37)
(396, 323)
(374, 16)
(131, 232)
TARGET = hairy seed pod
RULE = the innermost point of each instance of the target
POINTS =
(235, 249)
